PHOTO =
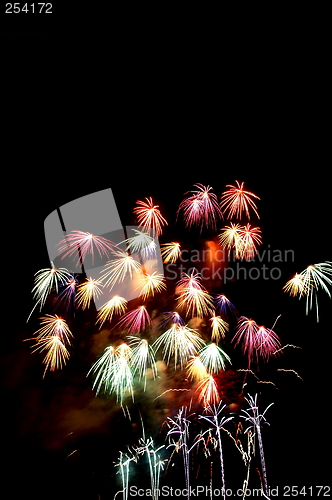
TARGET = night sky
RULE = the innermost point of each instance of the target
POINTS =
(46, 420)
(59, 440)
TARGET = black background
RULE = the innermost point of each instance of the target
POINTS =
(77, 122)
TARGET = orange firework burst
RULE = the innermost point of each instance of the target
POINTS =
(149, 216)
(236, 200)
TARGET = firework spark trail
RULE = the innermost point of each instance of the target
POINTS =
(201, 208)
(88, 291)
(156, 464)
(293, 371)
(287, 345)
(236, 200)
(47, 280)
(169, 390)
(124, 469)
(142, 358)
(81, 243)
(180, 426)
(149, 216)
(134, 321)
(179, 342)
(219, 328)
(213, 358)
(217, 423)
(116, 305)
(118, 269)
(170, 252)
(255, 419)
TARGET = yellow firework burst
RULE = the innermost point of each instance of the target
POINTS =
(170, 252)
(117, 305)
(88, 291)
(219, 328)
(149, 284)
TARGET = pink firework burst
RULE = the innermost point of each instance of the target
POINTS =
(134, 321)
(236, 200)
(256, 341)
(79, 244)
(201, 208)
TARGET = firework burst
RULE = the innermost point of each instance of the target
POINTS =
(207, 391)
(219, 328)
(236, 200)
(142, 358)
(46, 281)
(245, 334)
(296, 286)
(53, 337)
(90, 290)
(53, 326)
(149, 284)
(103, 370)
(316, 277)
(213, 358)
(57, 353)
(170, 252)
(149, 217)
(118, 269)
(195, 369)
(81, 244)
(224, 306)
(134, 321)
(243, 239)
(201, 208)
(195, 302)
(230, 238)
(179, 342)
(256, 341)
(116, 305)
